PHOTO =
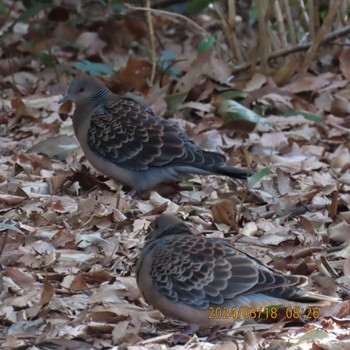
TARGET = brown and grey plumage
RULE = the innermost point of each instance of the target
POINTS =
(125, 140)
(183, 275)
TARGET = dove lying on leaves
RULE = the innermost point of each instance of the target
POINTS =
(186, 276)
(126, 141)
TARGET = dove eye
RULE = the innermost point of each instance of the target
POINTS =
(81, 89)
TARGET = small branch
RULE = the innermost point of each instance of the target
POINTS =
(231, 22)
(304, 18)
(170, 14)
(291, 29)
(153, 41)
(280, 24)
(294, 49)
(326, 26)
(263, 35)
(229, 32)
(311, 9)
(307, 251)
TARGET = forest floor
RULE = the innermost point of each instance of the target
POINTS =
(71, 237)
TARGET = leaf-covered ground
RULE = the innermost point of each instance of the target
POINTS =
(70, 237)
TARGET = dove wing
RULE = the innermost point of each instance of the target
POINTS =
(129, 134)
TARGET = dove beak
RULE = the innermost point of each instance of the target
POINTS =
(63, 99)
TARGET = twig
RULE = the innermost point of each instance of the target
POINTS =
(153, 41)
(263, 37)
(170, 14)
(231, 22)
(339, 127)
(343, 13)
(294, 49)
(327, 24)
(317, 16)
(228, 33)
(304, 20)
(275, 41)
(298, 210)
(312, 15)
(291, 29)
(280, 24)
(303, 252)
(3, 243)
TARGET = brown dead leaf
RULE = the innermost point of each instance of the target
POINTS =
(19, 277)
(46, 296)
(285, 73)
(273, 139)
(307, 226)
(225, 212)
(60, 146)
(135, 74)
(56, 182)
(340, 106)
(188, 80)
(91, 42)
(99, 276)
(344, 60)
(47, 293)
(341, 157)
(79, 283)
(310, 83)
(339, 231)
(256, 82)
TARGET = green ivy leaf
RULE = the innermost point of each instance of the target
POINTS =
(206, 44)
(232, 110)
(195, 6)
(309, 116)
(252, 180)
(12, 228)
(45, 59)
(174, 101)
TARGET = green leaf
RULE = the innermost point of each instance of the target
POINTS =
(232, 110)
(166, 62)
(195, 6)
(253, 15)
(45, 59)
(206, 44)
(118, 7)
(93, 68)
(174, 101)
(308, 116)
(252, 180)
(168, 55)
(11, 227)
(3, 8)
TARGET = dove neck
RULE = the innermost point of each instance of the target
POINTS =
(100, 95)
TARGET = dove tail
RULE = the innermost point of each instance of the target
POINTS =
(231, 171)
(299, 295)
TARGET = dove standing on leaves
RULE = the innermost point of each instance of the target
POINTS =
(126, 141)
(188, 277)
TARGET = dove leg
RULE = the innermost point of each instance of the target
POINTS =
(133, 194)
(213, 333)
(184, 335)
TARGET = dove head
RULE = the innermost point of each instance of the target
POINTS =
(84, 90)
(166, 225)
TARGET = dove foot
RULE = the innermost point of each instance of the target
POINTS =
(184, 336)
